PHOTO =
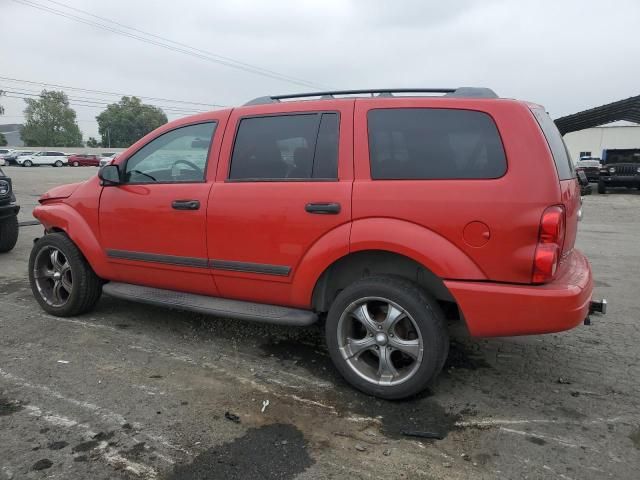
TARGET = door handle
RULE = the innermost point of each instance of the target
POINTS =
(323, 208)
(185, 204)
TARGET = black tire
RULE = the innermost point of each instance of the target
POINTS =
(601, 188)
(427, 316)
(8, 233)
(86, 286)
(58, 163)
(27, 163)
(76, 164)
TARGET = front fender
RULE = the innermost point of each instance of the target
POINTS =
(64, 217)
(425, 246)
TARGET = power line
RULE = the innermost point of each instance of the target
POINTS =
(102, 92)
(187, 50)
(102, 102)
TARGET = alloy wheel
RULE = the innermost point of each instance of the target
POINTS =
(380, 341)
(53, 276)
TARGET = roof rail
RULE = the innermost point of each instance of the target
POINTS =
(462, 92)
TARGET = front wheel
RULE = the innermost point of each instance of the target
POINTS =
(61, 279)
(387, 337)
(27, 163)
(76, 164)
(8, 233)
(601, 187)
(58, 163)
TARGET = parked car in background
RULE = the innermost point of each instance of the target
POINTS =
(8, 214)
(4, 153)
(620, 168)
(590, 167)
(107, 159)
(83, 160)
(49, 157)
(344, 209)
(11, 159)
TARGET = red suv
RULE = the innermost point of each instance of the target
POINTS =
(383, 216)
(84, 160)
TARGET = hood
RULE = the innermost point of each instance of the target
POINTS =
(62, 191)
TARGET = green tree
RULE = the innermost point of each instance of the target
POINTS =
(93, 143)
(3, 140)
(127, 121)
(50, 122)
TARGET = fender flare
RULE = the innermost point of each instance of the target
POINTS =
(66, 218)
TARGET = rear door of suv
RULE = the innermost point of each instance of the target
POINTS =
(284, 181)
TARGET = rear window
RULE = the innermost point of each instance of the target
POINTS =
(561, 156)
(434, 143)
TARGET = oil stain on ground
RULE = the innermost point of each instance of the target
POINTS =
(460, 356)
(271, 452)
(8, 407)
(304, 355)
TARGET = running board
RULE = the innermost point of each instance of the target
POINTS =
(221, 307)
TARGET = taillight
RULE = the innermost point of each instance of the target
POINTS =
(550, 242)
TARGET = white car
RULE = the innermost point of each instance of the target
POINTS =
(55, 158)
(4, 152)
(107, 159)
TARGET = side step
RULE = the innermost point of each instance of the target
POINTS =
(220, 307)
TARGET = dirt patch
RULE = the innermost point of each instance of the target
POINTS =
(536, 440)
(12, 286)
(305, 355)
(134, 452)
(85, 446)
(42, 464)
(8, 407)
(59, 445)
(275, 451)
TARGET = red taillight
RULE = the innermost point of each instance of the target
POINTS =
(549, 248)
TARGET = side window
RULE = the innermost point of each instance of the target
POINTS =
(559, 150)
(286, 147)
(434, 143)
(176, 156)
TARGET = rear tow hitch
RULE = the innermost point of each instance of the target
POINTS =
(596, 307)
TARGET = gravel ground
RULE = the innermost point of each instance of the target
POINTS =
(131, 391)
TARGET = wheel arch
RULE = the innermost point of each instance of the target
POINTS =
(361, 264)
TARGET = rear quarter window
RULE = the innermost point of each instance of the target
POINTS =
(434, 143)
(559, 151)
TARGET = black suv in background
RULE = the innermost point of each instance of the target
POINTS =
(8, 214)
(620, 168)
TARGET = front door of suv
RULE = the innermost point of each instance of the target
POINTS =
(153, 225)
(284, 183)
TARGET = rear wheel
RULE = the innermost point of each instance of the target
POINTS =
(8, 233)
(386, 336)
(62, 281)
(601, 187)
(58, 163)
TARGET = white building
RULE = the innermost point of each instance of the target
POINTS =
(591, 142)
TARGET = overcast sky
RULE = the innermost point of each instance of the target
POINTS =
(566, 55)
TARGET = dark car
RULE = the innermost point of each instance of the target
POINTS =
(84, 160)
(591, 168)
(620, 168)
(12, 159)
(8, 214)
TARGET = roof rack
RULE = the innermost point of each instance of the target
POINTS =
(463, 92)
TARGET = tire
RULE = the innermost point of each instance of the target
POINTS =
(8, 233)
(58, 163)
(423, 324)
(601, 188)
(27, 163)
(83, 287)
(76, 164)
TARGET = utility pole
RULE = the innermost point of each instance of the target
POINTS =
(109, 136)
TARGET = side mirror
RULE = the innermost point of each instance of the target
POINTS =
(582, 178)
(109, 175)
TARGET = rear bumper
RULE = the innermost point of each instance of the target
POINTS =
(497, 309)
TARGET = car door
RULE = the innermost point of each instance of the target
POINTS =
(284, 182)
(152, 225)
